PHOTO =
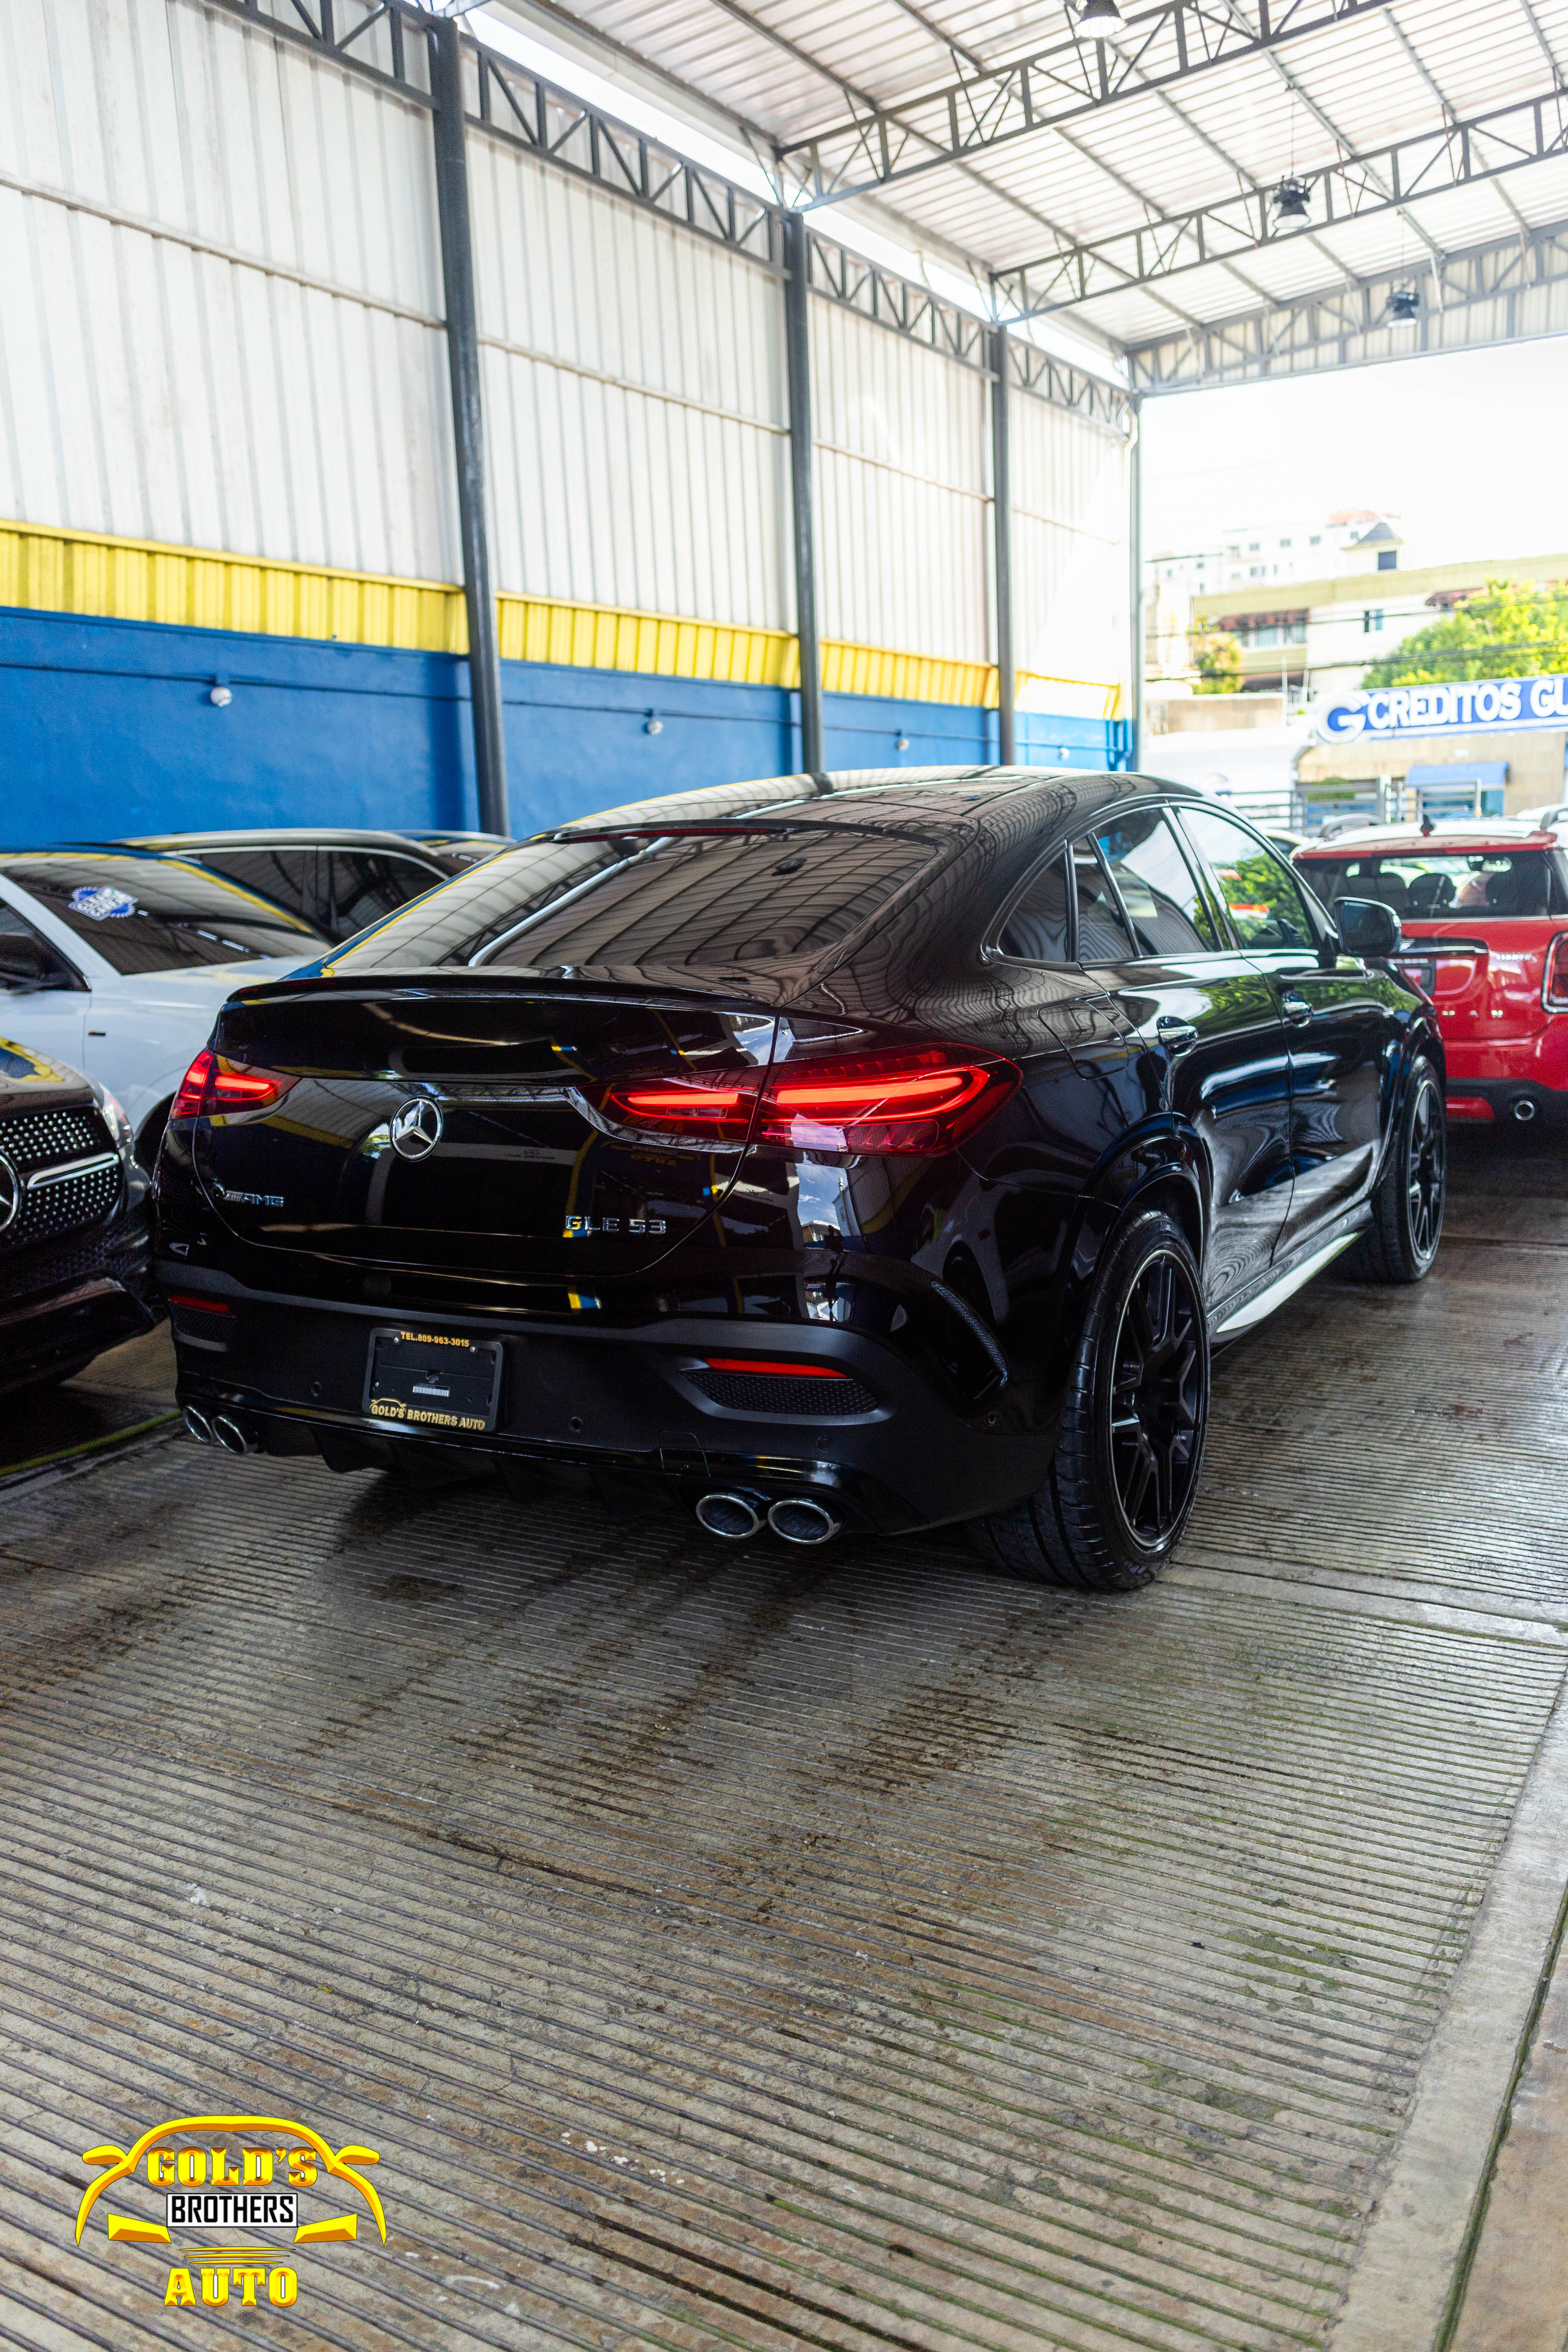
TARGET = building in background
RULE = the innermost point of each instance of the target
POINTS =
(1325, 632)
(1253, 558)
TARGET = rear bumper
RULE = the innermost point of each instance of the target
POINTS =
(619, 1406)
(1484, 1101)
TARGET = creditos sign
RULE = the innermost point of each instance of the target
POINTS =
(1459, 709)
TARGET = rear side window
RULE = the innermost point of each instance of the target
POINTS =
(1102, 935)
(1039, 930)
(154, 914)
(1157, 886)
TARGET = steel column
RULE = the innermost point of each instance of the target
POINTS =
(798, 364)
(467, 422)
(1002, 545)
(1135, 588)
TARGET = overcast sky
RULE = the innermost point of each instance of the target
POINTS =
(1466, 449)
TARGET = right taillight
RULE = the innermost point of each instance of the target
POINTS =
(919, 1099)
(1554, 987)
(212, 1086)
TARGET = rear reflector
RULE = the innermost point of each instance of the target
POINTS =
(204, 1305)
(1469, 1107)
(921, 1100)
(779, 1371)
(211, 1086)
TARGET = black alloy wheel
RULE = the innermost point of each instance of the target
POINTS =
(1124, 1477)
(1426, 1168)
(1156, 1399)
(1407, 1205)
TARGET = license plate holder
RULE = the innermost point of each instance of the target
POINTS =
(432, 1379)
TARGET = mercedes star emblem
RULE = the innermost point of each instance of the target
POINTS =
(10, 1194)
(417, 1128)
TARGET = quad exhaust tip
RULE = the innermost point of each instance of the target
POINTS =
(798, 1518)
(802, 1520)
(236, 1436)
(198, 1425)
(730, 1516)
(1524, 1110)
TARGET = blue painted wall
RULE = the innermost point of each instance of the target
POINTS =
(107, 728)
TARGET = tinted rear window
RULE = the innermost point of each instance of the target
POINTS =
(724, 901)
(152, 915)
(1431, 886)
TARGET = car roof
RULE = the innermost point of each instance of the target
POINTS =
(883, 796)
(273, 836)
(1410, 841)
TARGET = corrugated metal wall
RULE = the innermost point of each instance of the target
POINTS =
(220, 288)
(904, 502)
(267, 374)
(1069, 547)
(633, 388)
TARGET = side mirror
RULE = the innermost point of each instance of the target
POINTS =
(1367, 927)
(27, 965)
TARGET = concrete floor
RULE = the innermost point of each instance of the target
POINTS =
(844, 1951)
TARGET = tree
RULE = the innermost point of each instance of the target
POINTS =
(1218, 658)
(1512, 630)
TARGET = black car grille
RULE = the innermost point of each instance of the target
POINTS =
(36, 1140)
(33, 1138)
(775, 1392)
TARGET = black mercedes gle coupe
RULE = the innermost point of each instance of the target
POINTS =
(872, 1150)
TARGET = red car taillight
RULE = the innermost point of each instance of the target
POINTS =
(919, 1099)
(695, 1112)
(211, 1087)
(1554, 987)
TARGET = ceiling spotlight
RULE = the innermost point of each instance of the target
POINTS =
(1404, 303)
(1101, 19)
(1291, 200)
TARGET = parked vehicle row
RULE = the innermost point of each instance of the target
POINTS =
(878, 1151)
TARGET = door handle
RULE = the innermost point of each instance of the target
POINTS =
(1295, 1009)
(1172, 1031)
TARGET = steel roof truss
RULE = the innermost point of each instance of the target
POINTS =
(1074, 76)
(1336, 327)
(1453, 155)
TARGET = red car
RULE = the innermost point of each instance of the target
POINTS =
(1484, 912)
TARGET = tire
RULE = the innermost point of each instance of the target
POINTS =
(1111, 1510)
(1407, 1205)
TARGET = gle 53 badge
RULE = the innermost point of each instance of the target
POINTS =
(233, 2198)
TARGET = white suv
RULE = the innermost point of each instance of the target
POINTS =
(117, 964)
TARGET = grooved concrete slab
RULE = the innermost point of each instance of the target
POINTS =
(773, 1950)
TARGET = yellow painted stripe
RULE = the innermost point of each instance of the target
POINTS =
(46, 569)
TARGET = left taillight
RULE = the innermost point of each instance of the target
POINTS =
(915, 1099)
(1554, 987)
(212, 1086)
